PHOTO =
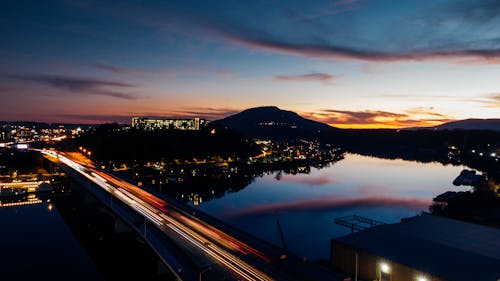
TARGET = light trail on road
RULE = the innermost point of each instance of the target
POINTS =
(154, 209)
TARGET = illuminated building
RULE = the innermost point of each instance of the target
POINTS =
(153, 124)
(422, 248)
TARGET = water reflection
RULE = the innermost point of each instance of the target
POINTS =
(117, 251)
(69, 235)
(29, 199)
(306, 204)
(331, 204)
(311, 181)
(37, 245)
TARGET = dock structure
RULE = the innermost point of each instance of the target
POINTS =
(357, 223)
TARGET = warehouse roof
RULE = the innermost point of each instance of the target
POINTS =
(443, 247)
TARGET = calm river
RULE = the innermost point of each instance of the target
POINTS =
(307, 204)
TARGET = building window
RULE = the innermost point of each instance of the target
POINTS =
(384, 276)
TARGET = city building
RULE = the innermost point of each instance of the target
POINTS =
(27, 132)
(422, 248)
(152, 124)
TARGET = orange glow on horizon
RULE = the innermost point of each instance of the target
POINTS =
(378, 119)
(365, 126)
(389, 124)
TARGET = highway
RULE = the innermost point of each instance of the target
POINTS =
(225, 251)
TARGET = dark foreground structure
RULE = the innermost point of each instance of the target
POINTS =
(422, 248)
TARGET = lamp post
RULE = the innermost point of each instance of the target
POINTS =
(356, 272)
(203, 271)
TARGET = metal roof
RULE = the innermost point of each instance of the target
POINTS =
(450, 249)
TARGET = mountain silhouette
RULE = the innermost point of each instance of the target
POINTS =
(471, 124)
(272, 122)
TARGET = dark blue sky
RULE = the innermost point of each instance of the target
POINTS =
(355, 63)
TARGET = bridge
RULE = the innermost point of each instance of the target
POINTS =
(192, 244)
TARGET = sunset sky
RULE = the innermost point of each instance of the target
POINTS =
(348, 63)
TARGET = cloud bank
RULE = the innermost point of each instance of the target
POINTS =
(81, 86)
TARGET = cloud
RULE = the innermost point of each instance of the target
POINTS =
(486, 101)
(495, 97)
(120, 95)
(324, 77)
(425, 111)
(331, 8)
(209, 113)
(92, 118)
(7, 90)
(223, 72)
(129, 70)
(482, 11)
(88, 86)
(359, 117)
(307, 42)
(445, 30)
(448, 30)
(70, 83)
(416, 117)
(491, 101)
(123, 70)
(189, 112)
(331, 51)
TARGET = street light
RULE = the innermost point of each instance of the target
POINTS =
(203, 271)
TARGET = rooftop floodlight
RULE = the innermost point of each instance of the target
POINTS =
(385, 268)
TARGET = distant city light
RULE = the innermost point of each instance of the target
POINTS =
(153, 124)
(421, 279)
(59, 138)
(22, 146)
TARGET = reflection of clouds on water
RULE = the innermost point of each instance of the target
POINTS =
(307, 203)
(310, 179)
(328, 204)
(375, 189)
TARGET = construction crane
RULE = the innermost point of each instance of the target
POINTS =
(282, 238)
